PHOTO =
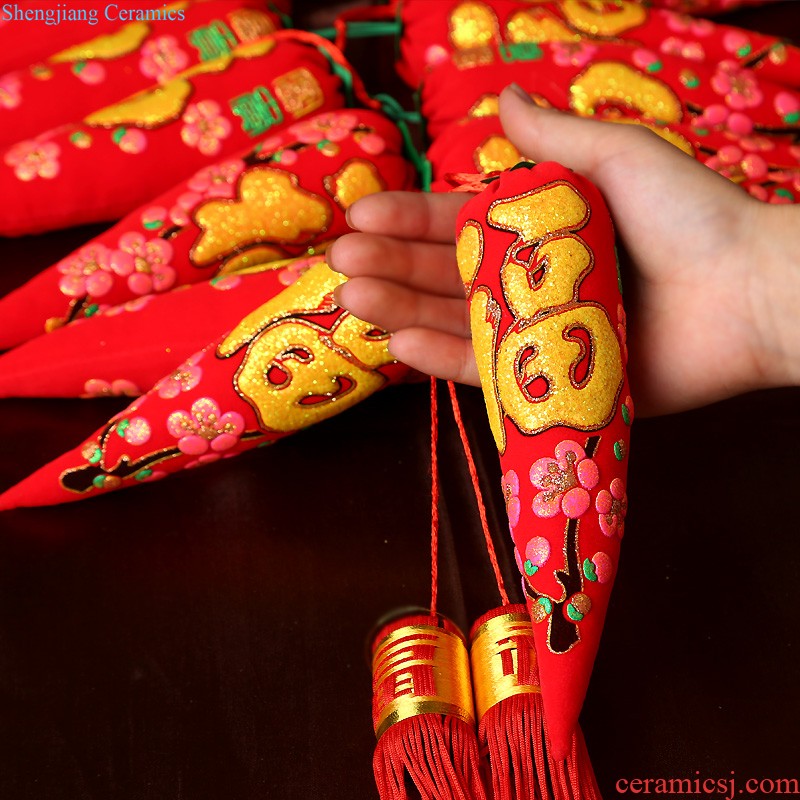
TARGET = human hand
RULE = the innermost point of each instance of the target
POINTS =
(711, 291)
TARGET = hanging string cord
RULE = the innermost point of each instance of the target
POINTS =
(476, 486)
(434, 498)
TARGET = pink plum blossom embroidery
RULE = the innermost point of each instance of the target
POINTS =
(722, 118)
(136, 431)
(145, 263)
(224, 283)
(736, 165)
(737, 85)
(646, 60)
(131, 306)
(180, 213)
(89, 72)
(331, 126)
(612, 507)
(218, 180)
(564, 481)
(204, 427)
(97, 387)
(436, 54)
(736, 42)
(572, 54)
(162, 59)
(130, 140)
(295, 269)
(204, 127)
(184, 379)
(510, 486)
(10, 91)
(31, 159)
(86, 272)
(371, 143)
(153, 218)
(693, 51)
(680, 23)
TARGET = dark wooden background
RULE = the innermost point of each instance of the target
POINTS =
(205, 637)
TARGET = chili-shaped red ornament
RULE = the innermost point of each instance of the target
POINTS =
(537, 258)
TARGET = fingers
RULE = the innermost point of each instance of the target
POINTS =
(428, 267)
(408, 215)
(441, 354)
(394, 307)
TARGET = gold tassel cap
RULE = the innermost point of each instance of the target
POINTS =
(503, 657)
(420, 665)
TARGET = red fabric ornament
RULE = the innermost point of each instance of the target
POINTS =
(707, 6)
(764, 164)
(536, 254)
(125, 349)
(120, 156)
(613, 78)
(291, 362)
(463, 29)
(28, 35)
(275, 200)
(95, 73)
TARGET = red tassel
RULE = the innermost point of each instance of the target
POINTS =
(511, 730)
(423, 713)
(573, 778)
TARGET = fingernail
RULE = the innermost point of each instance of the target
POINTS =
(349, 217)
(329, 257)
(336, 293)
(520, 92)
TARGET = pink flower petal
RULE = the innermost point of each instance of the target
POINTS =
(540, 470)
(575, 502)
(193, 445)
(537, 551)
(603, 501)
(513, 507)
(545, 508)
(224, 442)
(588, 473)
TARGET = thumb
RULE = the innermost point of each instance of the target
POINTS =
(544, 134)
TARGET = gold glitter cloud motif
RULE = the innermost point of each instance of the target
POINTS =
(272, 208)
(148, 109)
(538, 26)
(495, 154)
(472, 24)
(597, 18)
(469, 252)
(356, 179)
(306, 294)
(619, 84)
(112, 45)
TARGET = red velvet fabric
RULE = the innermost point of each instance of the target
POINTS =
(433, 33)
(536, 254)
(288, 193)
(117, 158)
(765, 165)
(295, 360)
(103, 70)
(607, 78)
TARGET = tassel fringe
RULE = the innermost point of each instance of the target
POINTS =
(438, 753)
